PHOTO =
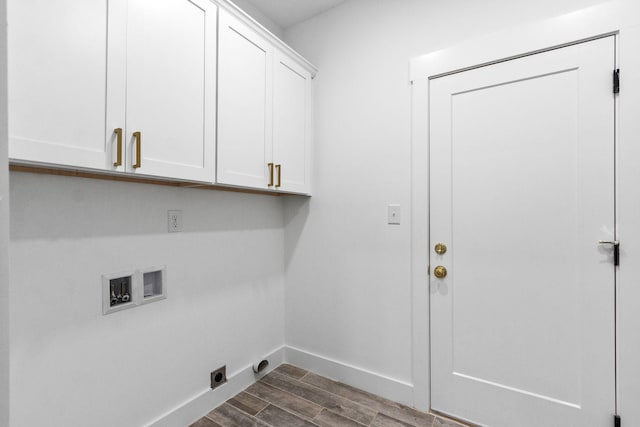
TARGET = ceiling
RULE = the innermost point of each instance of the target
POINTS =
(286, 13)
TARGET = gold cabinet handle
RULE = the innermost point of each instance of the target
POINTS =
(118, 132)
(270, 174)
(440, 272)
(279, 168)
(138, 137)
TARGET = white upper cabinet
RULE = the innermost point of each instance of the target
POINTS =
(57, 59)
(189, 90)
(264, 112)
(244, 105)
(171, 88)
(291, 125)
(82, 72)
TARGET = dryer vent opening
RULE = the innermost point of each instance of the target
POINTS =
(260, 366)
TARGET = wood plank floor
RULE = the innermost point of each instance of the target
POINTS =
(292, 397)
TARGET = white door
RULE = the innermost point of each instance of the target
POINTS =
(58, 71)
(291, 125)
(244, 106)
(521, 191)
(171, 88)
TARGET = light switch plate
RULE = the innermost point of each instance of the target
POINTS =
(393, 214)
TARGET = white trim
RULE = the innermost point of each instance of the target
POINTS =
(420, 246)
(240, 14)
(201, 404)
(4, 226)
(585, 24)
(619, 17)
(390, 388)
(628, 226)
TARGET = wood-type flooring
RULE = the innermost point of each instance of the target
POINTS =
(292, 397)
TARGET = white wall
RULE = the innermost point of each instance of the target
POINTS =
(4, 228)
(348, 275)
(72, 366)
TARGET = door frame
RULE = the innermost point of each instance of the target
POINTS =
(618, 17)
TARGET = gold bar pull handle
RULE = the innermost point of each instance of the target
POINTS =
(138, 138)
(270, 174)
(279, 168)
(118, 132)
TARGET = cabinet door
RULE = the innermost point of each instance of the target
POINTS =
(292, 125)
(171, 84)
(244, 105)
(58, 71)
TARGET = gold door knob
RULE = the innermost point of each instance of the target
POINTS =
(440, 248)
(440, 272)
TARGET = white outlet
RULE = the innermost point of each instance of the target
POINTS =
(175, 221)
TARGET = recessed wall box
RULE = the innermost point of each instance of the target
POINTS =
(154, 284)
(117, 292)
(130, 289)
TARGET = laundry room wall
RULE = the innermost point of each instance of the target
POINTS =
(72, 365)
(348, 275)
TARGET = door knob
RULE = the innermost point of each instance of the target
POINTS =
(440, 248)
(440, 272)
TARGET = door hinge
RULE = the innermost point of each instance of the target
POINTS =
(616, 80)
(617, 422)
(616, 249)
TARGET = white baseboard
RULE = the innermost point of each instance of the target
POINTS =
(390, 388)
(201, 404)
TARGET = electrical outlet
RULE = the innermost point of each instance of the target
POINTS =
(175, 221)
(218, 377)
